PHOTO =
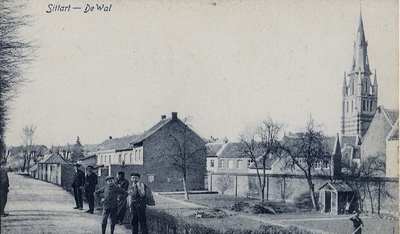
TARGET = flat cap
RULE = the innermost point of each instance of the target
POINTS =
(109, 178)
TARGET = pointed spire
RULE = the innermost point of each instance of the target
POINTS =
(360, 57)
(375, 80)
(344, 89)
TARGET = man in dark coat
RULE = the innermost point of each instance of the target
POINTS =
(122, 183)
(77, 185)
(140, 195)
(357, 223)
(109, 194)
(4, 188)
(91, 181)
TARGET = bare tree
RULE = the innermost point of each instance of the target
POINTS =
(224, 183)
(259, 145)
(184, 154)
(303, 151)
(15, 52)
(28, 150)
(361, 178)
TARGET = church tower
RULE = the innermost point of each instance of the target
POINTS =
(359, 95)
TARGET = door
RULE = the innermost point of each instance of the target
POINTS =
(328, 201)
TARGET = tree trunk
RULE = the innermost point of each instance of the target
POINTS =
(312, 193)
(370, 198)
(185, 188)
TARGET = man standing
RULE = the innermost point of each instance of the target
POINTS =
(77, 185)
(91, 181)
(4, 188)
(357, 223)
(139, 196)
(122, 183)
(109, 194)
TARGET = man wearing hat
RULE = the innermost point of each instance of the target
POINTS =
(77, 184)
(140, 195)
(108, 195)
(122, 183)
(357, 223)
(91, 181)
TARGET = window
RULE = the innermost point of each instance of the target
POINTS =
(351, 106)
(136, 155)
(230, 164)
(221, 164)
(240, 164)
(370, 106)
(140, 155)
(212, 163)
(249, 162)
(119, 158)
(317, 165)
(150, 178)
(347, 107)
(326, 165)
(130, 158)
(367, 105)
(101, 159)
(109, 158)
(363, 105)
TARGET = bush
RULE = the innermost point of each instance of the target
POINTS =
(303, 201)
(162, 222)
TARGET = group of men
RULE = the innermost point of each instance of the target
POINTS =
(116, 197)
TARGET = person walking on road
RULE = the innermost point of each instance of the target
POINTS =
(4, 188)
(122, 183)
(91, 182)
(77, 185)
(109, 194)
(357, 223)
(140, 195)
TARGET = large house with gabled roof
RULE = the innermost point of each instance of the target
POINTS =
(150, 155)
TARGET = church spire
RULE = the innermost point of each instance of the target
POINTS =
(360, 57)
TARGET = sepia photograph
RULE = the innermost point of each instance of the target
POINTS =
(199, 116)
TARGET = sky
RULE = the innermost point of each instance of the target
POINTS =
(225, 64)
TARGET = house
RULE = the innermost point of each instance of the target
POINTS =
(225, 157)
(50, 168)
(381, 131)
(152, 154)
(160, 151)
(115, 151)
(392, 151)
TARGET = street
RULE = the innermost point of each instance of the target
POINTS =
(36, 206)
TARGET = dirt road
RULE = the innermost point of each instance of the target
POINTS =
(36, 206)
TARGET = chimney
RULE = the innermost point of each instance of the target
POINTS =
(163, 116)
(174, 115)
(110, 137)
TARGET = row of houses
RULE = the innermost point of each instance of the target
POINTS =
(149, 154)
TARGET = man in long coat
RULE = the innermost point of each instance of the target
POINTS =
(122, 183)
(91, 182)
(4, 188)
(77, 185)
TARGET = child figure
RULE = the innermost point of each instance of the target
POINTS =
(109, 194)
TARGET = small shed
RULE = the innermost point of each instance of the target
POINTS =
(337, 198)
(49, 168)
